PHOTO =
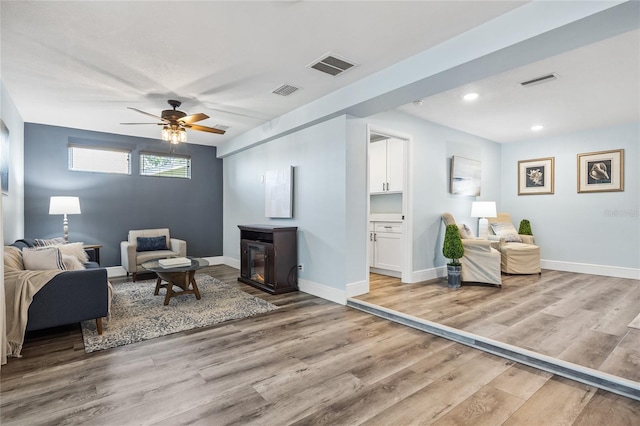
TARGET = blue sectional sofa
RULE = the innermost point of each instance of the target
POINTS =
(70, 297)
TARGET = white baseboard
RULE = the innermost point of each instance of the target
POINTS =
(388, 272)
(215, 260)
(586, 268)
(325, 292)
(230, 261)
(428, 274)
(357, 288)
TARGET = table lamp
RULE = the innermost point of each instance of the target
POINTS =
(65, 206)
(483, 210)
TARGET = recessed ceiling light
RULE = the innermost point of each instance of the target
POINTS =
(537, 128)
(470, 97)
(418, 102)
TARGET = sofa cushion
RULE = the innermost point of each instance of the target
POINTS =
(74, 249)
(465, 232)
(151, 243)
(49, 242)
(42, 259)
(71, 263)
(506, 230)
(153, 255)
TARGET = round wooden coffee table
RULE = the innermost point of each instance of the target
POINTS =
(180, 276)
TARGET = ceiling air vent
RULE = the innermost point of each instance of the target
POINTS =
(539, 80)
(221, 127)
(285, 90)
(331, 64)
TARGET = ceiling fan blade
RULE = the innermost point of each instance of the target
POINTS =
(205, 129)
(193, 118)
(157, 124)
(146, 113)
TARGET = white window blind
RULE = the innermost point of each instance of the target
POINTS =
(165, 165)
(101, 160)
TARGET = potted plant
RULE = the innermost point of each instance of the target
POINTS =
(525, 227)
(454, 250)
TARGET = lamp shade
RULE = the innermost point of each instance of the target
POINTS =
(64, 205)
(483, 209)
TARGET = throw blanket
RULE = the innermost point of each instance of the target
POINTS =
(20, 286)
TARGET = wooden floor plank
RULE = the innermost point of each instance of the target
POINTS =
(315, 362)
(562, 397)
(555, 314)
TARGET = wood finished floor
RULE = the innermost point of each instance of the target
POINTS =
(311, 362)
(578, 318)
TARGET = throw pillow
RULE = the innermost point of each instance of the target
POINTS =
(74, 249)
(71, 263)
(50, 242)
(465, 232)
(507, 231)
(151, 243)
(42, 259)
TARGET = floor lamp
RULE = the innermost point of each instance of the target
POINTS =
(65, 206)
(483, 210)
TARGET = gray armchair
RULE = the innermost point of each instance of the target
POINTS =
(133, 256)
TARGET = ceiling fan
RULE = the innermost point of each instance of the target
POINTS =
(176, 122)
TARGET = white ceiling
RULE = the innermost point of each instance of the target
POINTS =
(80, 64)
(598, 85)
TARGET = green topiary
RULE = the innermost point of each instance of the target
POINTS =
(525, 228)
(452, 247)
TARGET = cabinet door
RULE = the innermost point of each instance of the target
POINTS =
(388, 251)
(377, 166)
(395, 165)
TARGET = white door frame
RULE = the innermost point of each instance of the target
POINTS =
(407, 201)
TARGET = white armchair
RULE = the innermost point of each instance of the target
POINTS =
(151, 248)
(520, 254)
(480, 262)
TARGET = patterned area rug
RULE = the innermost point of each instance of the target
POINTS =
(137, 315)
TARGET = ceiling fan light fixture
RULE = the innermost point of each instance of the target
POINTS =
(174, 134)
(166, 133)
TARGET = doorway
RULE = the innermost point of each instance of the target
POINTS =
(390, 241)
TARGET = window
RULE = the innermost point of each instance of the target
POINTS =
(101, 160)
(167, 165)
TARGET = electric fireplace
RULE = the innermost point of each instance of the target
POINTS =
(268, 257)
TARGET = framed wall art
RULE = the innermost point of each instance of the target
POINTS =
(535, 177)
(4, 157)
(601, 171)
(279, 193)
(466, 176)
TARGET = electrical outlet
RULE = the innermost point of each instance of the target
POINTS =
(301, 268)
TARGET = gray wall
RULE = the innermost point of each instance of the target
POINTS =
(113, 204)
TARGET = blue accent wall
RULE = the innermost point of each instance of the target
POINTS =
(113, 204)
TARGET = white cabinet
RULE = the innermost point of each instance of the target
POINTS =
(385, 245)
(386, 171)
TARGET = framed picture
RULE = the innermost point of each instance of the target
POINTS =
(601, 171)
(535, 177)
(4, 158)
(466, 176)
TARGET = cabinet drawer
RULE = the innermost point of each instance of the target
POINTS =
(393, 227)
